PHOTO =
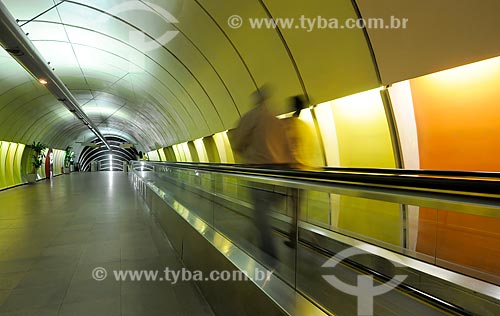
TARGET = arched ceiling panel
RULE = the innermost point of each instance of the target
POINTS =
(171, 62)
(164, 82)
(50, 121)
(333, 62)
(261, 50)
(213, 45)
(439, 35)
(178, 90)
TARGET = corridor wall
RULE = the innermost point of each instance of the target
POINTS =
(10, 164)
(442, 121)
(15, 163)
(449, 121)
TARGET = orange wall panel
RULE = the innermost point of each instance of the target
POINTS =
(458, 114)
(458, 125)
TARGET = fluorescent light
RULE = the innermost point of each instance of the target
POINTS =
(43, 81)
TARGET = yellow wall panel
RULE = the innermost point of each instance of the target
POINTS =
(9, 164)
(362, 130)
(223, 147)
(41, 170)
(3, 150)
(161, 152)
(169, 154)
(17, 164)
(176, 153)
(58, 158)
(187, 154)
(200, 149)
(370, 218)
(193, 152)
(211, 148)
(356, 134)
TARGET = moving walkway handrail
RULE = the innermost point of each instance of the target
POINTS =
(448, 182)
(275, 171)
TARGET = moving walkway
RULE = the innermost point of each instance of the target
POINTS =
(428, 226)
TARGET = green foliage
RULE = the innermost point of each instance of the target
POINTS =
(38, 155)
(68, 157)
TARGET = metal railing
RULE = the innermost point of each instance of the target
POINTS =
(389, 206)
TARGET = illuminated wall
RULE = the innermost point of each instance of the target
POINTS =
(457, 117)
(223, 147)
(15, 163)
(457, 114)
(10, 164)
(153, 155)
(356, 134)
(58, 156)
(202, 152)
(448, 120)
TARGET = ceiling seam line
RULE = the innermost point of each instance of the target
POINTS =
(94, 97)
(207, 60)
(39, 15)
(368, 42)
(154, 61)
(230, 42)
(73, 50)
(288, 50)
(166, 49)
(168, 118)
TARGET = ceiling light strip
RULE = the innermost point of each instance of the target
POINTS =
(17, 44)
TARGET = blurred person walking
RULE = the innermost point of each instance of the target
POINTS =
(260, 139)
(305, 149)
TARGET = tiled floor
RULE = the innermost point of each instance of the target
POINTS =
(54, 234)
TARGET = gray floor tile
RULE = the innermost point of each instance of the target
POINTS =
(8, 281)
(55, 262)
(79, 227)
(97, 307)
(21, 265)
(44, 311)
(83, 272)
(33, 298)
(135, 253)
(81, 291)
(151, 304)
(42, 277)
(54, 236)
(68, 250)
(190, 300)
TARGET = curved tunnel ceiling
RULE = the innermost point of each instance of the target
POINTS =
(131, 82)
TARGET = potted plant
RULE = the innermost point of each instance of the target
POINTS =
(68, 158)
(37, 162)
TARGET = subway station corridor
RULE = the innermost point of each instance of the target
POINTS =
(286, 158)
(55, 233)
